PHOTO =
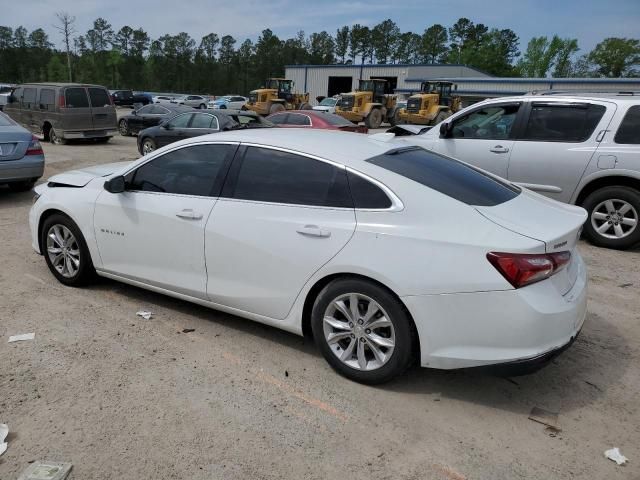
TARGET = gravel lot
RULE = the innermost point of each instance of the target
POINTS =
(126, 398)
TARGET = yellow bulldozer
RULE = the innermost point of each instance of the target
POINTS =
(275, 96)
(369, 103)
(433, 104)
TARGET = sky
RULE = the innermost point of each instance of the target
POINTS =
(590, 21)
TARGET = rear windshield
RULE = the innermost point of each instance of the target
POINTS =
(335, 120)
(446, 175)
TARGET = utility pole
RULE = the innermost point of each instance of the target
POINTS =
(66, 28)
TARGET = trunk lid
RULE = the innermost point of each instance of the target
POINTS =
(557, 225)
(14, 141)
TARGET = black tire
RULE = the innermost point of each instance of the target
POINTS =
(123, 127)
(55, 139)
(202, 106)
(150, 145)
(374, 119)
(402, 354)
(224, 107)
(21, 186)
(276, 107)
(85, 273)
(593, 204)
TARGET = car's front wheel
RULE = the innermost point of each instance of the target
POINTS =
(66, 252)
(123, 127)
(614, 213)
(148, 146)
(362, 330)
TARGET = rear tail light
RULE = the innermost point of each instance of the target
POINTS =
(34, 147)
(521, 269)
(61, 102)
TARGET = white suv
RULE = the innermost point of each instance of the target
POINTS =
(581, 149)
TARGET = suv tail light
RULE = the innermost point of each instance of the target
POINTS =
(34, 147)
(61, 102)
(521, 269)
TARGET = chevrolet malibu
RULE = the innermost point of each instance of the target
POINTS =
(383, 252)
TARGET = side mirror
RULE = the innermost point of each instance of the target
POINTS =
(115, 185)
(445, 129)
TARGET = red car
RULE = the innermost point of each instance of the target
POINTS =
(314, 119)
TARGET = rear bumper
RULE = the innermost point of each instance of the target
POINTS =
(26, 168)
(527, 325)
(73, 135)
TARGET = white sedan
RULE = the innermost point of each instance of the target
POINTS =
(383, 252)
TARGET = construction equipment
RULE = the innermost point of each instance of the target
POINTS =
(275, 96)
(369, 103)
(433, 104)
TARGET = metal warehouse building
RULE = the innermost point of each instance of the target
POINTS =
(472, 84)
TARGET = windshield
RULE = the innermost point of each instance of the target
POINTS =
(328, 102)
(447, 176)
(366, 86)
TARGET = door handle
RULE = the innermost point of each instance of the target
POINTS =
(189, 214)
(313, 231)
(499, 149)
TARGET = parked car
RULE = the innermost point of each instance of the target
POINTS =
(127, 98)
(5, 92)
(327, 105)
(314, 119)
(249, 119)
(380, 250)
(148, 116)
(181, 125)
(195, 101)
(21, 156)
(64, 111)
(580, 149)
(162, 99)
(235, 102)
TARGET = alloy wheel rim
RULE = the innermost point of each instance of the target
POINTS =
(63, 250)
(614, 219)
(359, 332)
(147, 147)
(123, 127)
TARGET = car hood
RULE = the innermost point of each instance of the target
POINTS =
(556, 224)
(80, 177)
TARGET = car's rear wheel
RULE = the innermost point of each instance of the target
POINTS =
(148, 146)
(203, 106)
(66, 252)
(614, 214)
(362, 330)
(21, 186)
(55, 139)
(123, 127)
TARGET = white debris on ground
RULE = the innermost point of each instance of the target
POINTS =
(615, 455)
(22, 337)
(4, 431)
(46, 471)
(144, 314)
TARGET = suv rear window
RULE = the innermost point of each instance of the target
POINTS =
(99, 97)
(551, 122)
(76, 98)
(447, 176)
(629, 131)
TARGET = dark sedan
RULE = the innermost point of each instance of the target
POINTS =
(193, 124)
(148, 116)
(128, 98)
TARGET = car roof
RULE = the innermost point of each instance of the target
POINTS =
(51, 84)
(621, 97)
(347, 148)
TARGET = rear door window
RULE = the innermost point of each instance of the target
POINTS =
(629, 131)
(273, 176)
(76, 97)
(562, 122)
(298, 119)
(99, 97)
(447, 176)
(280, 119)
(29, 97)
(202, 120)
(181, 121)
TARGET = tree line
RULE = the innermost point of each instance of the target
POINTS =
(130, 58)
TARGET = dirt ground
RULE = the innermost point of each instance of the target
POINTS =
(126, 398)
